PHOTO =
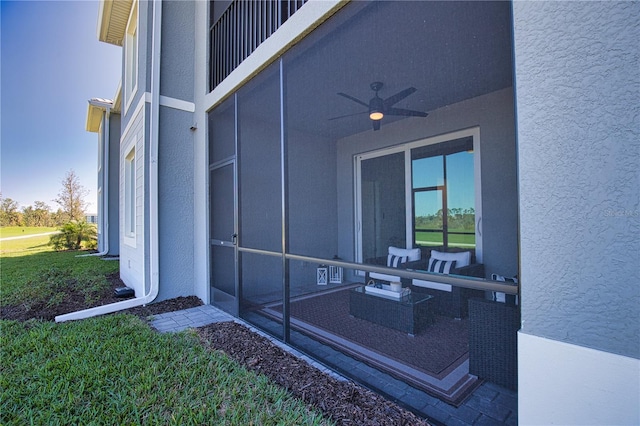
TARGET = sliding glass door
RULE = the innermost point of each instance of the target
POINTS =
(421, 194)
(383, 204)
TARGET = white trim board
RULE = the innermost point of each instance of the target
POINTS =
(565, 384)
(178, 104)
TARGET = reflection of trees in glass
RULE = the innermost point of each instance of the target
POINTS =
(458, 220)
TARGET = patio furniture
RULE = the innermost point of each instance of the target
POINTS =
(449, 300)
(493, 349)
(410, 314)
(396, 258)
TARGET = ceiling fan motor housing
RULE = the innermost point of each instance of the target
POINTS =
(376, 108)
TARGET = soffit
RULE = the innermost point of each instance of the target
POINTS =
(95, 111)
(117, 100)
(112, 20)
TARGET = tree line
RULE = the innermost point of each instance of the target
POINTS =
(70, 199)
(457, 218)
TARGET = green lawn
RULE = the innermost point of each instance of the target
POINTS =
(30, 277)
(24, 246)
(16, 231)
(435, 239)
(115, 369)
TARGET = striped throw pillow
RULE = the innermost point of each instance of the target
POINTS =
(441, 266)
(394, 261)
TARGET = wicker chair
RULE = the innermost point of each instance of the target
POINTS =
(493, 348)
(447, 300)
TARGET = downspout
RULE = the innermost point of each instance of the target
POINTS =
(105, 186)
(153, 189)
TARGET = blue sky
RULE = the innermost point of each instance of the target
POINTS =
(51, 64)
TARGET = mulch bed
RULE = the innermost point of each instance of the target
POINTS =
(344, 402)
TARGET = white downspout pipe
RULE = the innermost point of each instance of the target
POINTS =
(105, 186)
(153, 189)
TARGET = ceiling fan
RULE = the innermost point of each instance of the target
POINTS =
(378, 107)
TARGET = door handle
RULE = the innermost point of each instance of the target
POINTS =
(234, 238)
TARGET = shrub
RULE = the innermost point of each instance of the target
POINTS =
(73, 234)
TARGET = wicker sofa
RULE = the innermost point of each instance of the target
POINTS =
(447, 300)
(493, 341)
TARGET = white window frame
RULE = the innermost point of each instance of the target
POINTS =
(130, 197)
(131, 57)
(473, 132)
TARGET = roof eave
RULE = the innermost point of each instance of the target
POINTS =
(113, 16)
(97, 108)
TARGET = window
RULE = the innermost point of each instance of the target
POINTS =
(443, 194)
(130, 194)
(131, 55)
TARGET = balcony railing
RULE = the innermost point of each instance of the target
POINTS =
(243, 26)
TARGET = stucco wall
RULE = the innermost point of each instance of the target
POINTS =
(114, 185)
(175, 154)
(175, 204)
(578, 103)
(177, 64)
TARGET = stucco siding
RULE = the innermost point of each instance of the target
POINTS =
(578, 105)
(177, 65)
(113, 224)
(175, 204)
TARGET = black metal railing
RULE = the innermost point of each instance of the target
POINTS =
(243, 26)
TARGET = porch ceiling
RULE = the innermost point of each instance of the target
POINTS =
(448, 51)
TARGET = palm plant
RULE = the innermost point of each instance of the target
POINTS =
(73, 234)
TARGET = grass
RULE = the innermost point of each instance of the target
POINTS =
(434, 238)
(115, 369)
(16, 231)
(24, 246)
(30, 278)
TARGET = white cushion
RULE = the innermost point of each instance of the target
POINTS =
(383, 277)
(395, 257)
(462, 258)
(431, 284)
(499, 296)
(411, 254)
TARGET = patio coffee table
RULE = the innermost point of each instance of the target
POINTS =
(410, 313)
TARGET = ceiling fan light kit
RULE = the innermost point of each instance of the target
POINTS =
(379, 107)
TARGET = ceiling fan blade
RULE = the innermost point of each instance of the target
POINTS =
(392, 100)
(407, 112)
(353, 99)
(376, 125)
(348, 115)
